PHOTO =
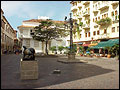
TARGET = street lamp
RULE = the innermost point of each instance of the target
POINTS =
(71, 54)
(70, 21)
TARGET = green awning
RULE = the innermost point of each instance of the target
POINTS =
(103, 44)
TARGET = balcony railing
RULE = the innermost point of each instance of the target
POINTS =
(86, 26)
(79, 17)
(95, 10)
(104, 36)
(86, 13)
(114, 2)
(74, 8)
(86, 2)
(79, 5)
(115, 18)
(103, 5)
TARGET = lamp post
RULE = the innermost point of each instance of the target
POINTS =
(70, 21)
(71, 54)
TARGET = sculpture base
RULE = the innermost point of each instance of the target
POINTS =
(28, 69)
(71, 56)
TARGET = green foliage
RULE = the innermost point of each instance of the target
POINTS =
(107, 20)
(88, 49)
(81, 23)
(115, 50)
(53, 48)
(108, 48)
(44, 32)
(60, 48)
(81, 48)
(116, 17)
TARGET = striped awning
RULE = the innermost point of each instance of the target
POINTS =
(104, 44)
(85, 45)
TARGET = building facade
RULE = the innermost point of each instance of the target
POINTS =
(88, 13)
(25, 31)
(8, 34)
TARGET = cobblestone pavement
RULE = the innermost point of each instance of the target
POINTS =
(99, 73)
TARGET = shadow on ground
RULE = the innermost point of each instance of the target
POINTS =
(10, 73)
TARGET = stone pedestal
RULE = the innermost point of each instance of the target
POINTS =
(28, 69)
(71, 56)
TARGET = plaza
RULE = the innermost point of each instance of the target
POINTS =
(96, 73)
(60, 45)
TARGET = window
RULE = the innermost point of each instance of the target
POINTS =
(80, 35)
(99, 18)
(104, 15)
(36, 43)
(96, 19)
(27, 43)
(112, 13)
(85, 34)
(116, 12)
(117, 28)
(98, 32)
(89, 34)
(25, 32)
(94, 33)
(113, 29)
(105, 31)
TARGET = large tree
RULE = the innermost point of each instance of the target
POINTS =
(48, 30)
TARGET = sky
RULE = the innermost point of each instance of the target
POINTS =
(18, 11)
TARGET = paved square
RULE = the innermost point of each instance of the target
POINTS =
(97, 73)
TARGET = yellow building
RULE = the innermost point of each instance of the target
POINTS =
(8, 34)
(92, 16)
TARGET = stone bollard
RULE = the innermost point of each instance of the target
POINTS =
(28, 69)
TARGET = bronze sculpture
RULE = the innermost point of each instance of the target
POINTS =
(28, 54)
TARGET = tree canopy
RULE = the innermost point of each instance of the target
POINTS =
(48, 30)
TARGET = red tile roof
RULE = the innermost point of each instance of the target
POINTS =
(39, 20)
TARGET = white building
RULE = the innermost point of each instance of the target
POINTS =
(88, 12)
(24, 33)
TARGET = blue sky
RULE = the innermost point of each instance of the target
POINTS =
(18, 11)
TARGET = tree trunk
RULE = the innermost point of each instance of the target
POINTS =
(46, 48)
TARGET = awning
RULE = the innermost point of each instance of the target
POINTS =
(85, 45)
(93, 44)
(104, 44)
(80, 43)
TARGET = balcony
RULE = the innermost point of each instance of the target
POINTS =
(86, 2)
(95, 10)
(74, 17)
(79, 17)
(79, 5)
(114, 2)
(95, 25)
(104, 36)
(86, 26)
(74, 8)
(115, 18)
(85, 14)
(103, 6)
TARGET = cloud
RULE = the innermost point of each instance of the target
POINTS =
(18, 8)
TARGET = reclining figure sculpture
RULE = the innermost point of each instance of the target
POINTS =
(28, 54)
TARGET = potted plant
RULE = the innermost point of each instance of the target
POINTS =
(116, 17)
(60, 48)
(53, 48)
(108, 48)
